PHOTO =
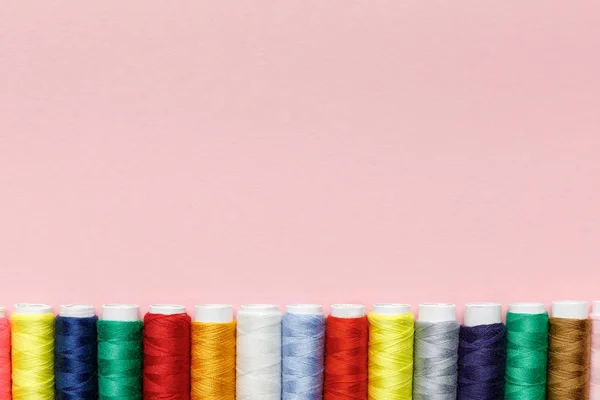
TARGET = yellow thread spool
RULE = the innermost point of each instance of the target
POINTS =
(32, 328)
(391, 347)
(213, 353)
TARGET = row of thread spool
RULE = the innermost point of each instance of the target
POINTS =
(301, 355)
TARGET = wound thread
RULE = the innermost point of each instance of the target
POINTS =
(436, 358)
(120, 360)
(167, 354)
(5, 359)
(213, 361)
(595, 358)
(391, 349)
(75, 358)
(346, 352)
(481, 362)
(32, 356)
(568, 359)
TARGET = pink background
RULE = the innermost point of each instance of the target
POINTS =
(299, 151)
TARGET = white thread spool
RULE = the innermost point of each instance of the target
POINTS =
(76, 310)
(596, 307)
(482, 314)
(527, 308)
(2, 312)
(166, 309)
(304, 309)
(121, 312)
(32, 308)
(437, 312)
(258, 361)
(570, 309)
(348, 310)
(213, 313)
(391, 309)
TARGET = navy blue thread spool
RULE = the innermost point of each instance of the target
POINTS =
(76, 353)
(482, 353)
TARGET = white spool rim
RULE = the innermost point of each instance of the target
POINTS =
(437, 312)
(573, 309)
(482, 313)
(391, 309)
(121, 312)
(32, 308)
(348, 310)
(596, 307)
(260, 308)
(166, 309)
(76, 310)
(305, 309)
(213, 313)
(2, 312)
(527, 308)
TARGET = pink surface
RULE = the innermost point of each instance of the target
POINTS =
(299, 151)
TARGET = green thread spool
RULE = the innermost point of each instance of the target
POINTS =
(120, 353)
(526, 352)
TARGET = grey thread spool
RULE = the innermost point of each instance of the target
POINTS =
(436, 353)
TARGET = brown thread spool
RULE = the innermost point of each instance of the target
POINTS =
(569, 351)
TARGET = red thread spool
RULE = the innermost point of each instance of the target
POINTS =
(167, 353)
(346, 349)
(5, 386)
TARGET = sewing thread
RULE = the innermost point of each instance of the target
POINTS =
(213, 361)
(5, 358)
(167, 355)
(526, 356)
(391, 348)
(258, 360)
(481, 362)
(32, 356)
(568, 359)
(75, 358)
(595, 358)
(120, 360)
(303, 349)
(436, 358)
(346, 353)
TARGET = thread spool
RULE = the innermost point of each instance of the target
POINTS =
(4, 355)
(76, 347)
(213, 352)
(391, 350)
(167, 352)
(346, 353)
(258, 361)
(120, 352)
(481, 353)
(32, 328)
(595, 352)
(303, 348)
(526, 352)
(568, 351)
(436, 352)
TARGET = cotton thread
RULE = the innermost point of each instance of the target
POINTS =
(481, 362)
(568, 359)
(120, 360)
(391, 349)
(303, 349)
(5, 358)
(258, 360)
(213, 361)
(346, 352)
(76, 349)
(595, 358)
(526, 356)
(32, 356)
(167, 354)
(436, 358)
